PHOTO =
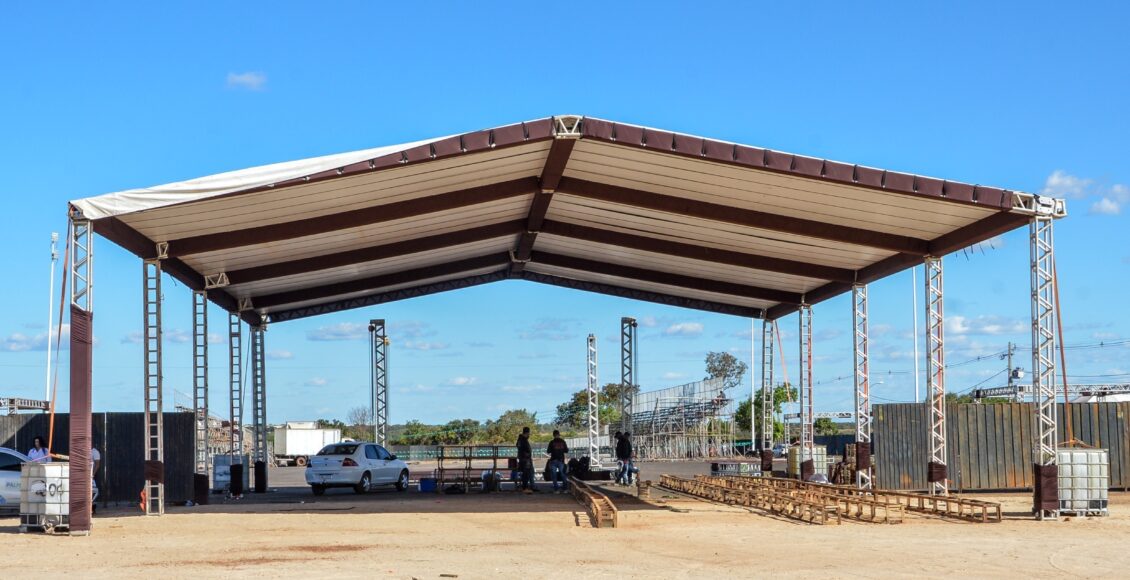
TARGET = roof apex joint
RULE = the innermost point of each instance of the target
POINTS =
(567, 126)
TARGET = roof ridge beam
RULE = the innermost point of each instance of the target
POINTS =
(391, 296)
(666, 278)
(551, 174)
(353, 218)
(743, 217)
(374, 253)
(697, 252)
(644, 295)
(377, 282)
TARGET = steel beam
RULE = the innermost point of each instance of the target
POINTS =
(936, 368)
(593, 406)
(259, 392)
(81, 273)
(235, 382)
(767, 388)
(200, 377)
(378, 380)
(806, 404)
(1044, 306)
(645, 295)
(566, 132)
(154, 416)
(862, 379)
(628, 359)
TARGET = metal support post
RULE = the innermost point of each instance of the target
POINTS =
(259, 393)
(628, 358)
(594, 406)
(936, 374)
(200, 377)
(235, 358)
(378, 376)
(81, 272)
(1043, 344)
(154, 417)
(767, 395)
(862, 380)
(806, 406)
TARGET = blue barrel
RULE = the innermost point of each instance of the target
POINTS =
(427, 484)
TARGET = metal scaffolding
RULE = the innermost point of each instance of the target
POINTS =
(154, 418)
(691, 421)
(594, 406)
(235, 359)
(200, 377)
(628, 358)
(378, 380)
(767, 394)
(806, 405)
(862, 378)
(1043, 341)
(259, 392)
(936, 371)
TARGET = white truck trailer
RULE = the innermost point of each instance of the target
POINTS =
(296, 441)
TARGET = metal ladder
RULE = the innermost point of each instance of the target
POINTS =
(200, 377)
(154, 420)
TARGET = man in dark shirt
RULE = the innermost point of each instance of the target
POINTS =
(556, 450)
(624, 455)
(526, 461)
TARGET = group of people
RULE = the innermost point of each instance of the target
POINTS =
(625, 474)
(41, 454)
(556, 450)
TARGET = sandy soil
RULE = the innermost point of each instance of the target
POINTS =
(289, 533)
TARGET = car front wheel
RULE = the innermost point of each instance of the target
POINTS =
(365, 483)
(402, 481)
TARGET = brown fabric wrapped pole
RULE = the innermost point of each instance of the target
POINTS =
(862, 456)
(200, 488)
(1046, 492)
(807, 469)
(766, 461)
(154, 471)
(260, 476)
(936, 472)
(236, 486)
(82, 354)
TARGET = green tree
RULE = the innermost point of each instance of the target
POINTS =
(824, 426)
(506, 428)
(727, 367)
(574, 413)
(781, 394)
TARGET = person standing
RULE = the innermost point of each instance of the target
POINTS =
(38, 451)
(556, 450)
(526, 460)
(624, 456)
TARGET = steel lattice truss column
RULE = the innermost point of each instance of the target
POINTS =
(628, 359)
(594, 406)
(259, 391)
(806, 406)
(1043, 338)
(378, 376)
(82, 264)
(862, 378)
(200, 377)
(767, 399)
(235, 359)
(154, 418)
(936, 367)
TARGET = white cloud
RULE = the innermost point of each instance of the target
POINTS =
(686, 329)
(1106, 206)
(316, 382)
(990, 324)
(214, 338)
(20, 342)
(132, 338)
(410, 329)
(339, 331)
(1104, 335)
(1062, 184)
(672, 376)
(519, 388)
(462, 381)
(648, 322)
(423, 345)
(250, 81)
(177, 335)
(556, 329)
(280, 354)
(480, 344)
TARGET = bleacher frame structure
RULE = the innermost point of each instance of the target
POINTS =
(691, 421)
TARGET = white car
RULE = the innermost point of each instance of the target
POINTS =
(11, 462)
(361, 466)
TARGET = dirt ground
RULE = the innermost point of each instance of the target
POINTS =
(385, 534)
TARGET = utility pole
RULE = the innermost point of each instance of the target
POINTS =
(50, 312)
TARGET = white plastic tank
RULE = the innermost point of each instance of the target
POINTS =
(45, 499)
(221, 472)
(1084, 481)
(819, 460)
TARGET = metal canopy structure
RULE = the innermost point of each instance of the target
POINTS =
(571, 201)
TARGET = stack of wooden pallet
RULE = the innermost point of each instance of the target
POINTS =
(601, 510)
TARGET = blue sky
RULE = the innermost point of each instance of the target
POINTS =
(1028, 96)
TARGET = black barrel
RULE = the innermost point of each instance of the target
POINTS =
(260, 477)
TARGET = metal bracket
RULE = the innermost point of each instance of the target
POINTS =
(216, 281)
(567, 127)
(514, 258)
(245, 304)
(1038, 205)
(162, 250)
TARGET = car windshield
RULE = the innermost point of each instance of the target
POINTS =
(338, 449)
